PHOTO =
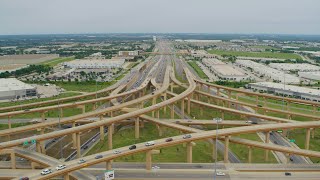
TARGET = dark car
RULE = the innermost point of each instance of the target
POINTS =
(98, 156)
(132, 147)
(24, 178)
(259, 105)
(169, 139)
(253, 122)
(287, 174)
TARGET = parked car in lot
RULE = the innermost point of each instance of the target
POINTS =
(98, 156)
(46, 171)
(187, 136)
(132, 147)
(61, 167)
(150, 143)
(169, 139)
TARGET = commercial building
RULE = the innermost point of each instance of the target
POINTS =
(310, 75)
(268, 72)
(11, 88)
(287, 90)
(202, 54)
(95, 63)
(128, 53)
(294, 67)
(224, 71)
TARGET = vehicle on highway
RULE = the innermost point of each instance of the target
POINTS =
(221, 174)
(24, 178)
(259, 105)
(81, 161)
(253, 122)
(249, 122)
(98, 156)
(116, 152)
(169, 140)
(46, 171)
(150, 143)
(187, 136)
(26, 110)
(189, 120)
(287, 174)
(61, 167)
(132, 147)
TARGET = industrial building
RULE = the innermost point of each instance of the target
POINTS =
(224, 71)
(11, 88)
(287, 90)
(95, 63)
(294, 67)
(310, 75)
(269, 72)
(128, 53)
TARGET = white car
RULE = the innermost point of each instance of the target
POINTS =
(150, 143)
(116, 152)
(248, 122)
(61, 167)
(221, 174)
(46, 171)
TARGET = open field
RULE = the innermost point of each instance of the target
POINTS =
(199, 71)
(257, 54)
(56, 61)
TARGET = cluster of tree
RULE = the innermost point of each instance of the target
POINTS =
(233, 84)
(27, 70)
(150, 49)
(293, 61)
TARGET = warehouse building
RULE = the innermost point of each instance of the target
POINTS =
(11, 88)
(310, 75)
(128, 53)
(294, 67)
(268, 72)
(224, 71)
(95, 63)
(286, 90)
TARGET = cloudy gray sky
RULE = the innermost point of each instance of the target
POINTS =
(208, 16)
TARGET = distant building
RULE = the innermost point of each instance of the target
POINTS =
(128, 53)
(154, 38)
(95, 63)
(287, 90)
(11, 88)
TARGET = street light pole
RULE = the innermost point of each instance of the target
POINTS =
(216, 148)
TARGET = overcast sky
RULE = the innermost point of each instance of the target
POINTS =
(197, 16)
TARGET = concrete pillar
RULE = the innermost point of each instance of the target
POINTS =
(288, 105)
(66, 177)
(229, 94)
(160, 130)
(284, 132)
(42, 143)
(110, 136)
(78, 145)
(218, 91)
(250, 154)
(214, 149)
(314, 109)
(9, 122)
(267, 140)
(74, 137)
(222, 114)
(172, 111)
(43, 117)
(148, 159)
(264, 101)
(257, 100)
(154, 101)
(13, 160)
(182, 107)
(201, 110)
(189, 152)
(38, 146)
(226, 148)
(94, 107)
(307, 143)
(101, 130)
(136, 128)
(61, 112)
(164, 99)
(33, 165)
(158, 114)
(171, 87)
(287, 158)
(313, 132)
(108, 165)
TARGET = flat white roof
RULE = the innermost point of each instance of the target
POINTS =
(11, 84)
(289, 88)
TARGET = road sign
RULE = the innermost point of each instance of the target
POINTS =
(292, 140)
(109, 174)
(33, 141)
(279, 131)
(25, 143)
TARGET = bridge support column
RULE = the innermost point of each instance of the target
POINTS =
(284, 132)
(288, 158)
(172, 111)
(307, 143)
(218, 91)
(9, 122)
(136, 128)
(314, 109)
(94, 107)
(214, 149)
(101, 130)
(66, 177)
(164, 99)
(148, 160)
(160, 130)
(13, 160)
(78, 145)
(222, 114)
(158, 114)
(171, 87)
(33, 165)
(61, 113)
(226, 148)
(313, 132)
(43, 117)
(229, 94)
(154, 100)
(108, 165)
(182, 107)
(74, 137)
(267, 140)
(189, 152)
(38, 146)
(110, 136)
(257, 100)
(250, 154)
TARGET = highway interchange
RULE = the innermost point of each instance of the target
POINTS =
(152, 79)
